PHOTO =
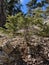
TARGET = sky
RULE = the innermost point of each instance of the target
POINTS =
(24, 2)
(24, 8)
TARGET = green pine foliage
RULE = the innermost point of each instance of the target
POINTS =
(38, 20)
(20, 21)
(12, 24)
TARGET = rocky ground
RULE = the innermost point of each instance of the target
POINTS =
(15, 51)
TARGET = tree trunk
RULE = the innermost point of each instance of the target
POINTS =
(2, 13)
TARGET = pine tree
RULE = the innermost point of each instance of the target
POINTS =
(13, 24)
(13, 6)
(2, 13)
(8, 8)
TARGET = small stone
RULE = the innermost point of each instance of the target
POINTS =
(48, 54)
(29, 56)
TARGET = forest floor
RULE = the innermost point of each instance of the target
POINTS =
(22, 54)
